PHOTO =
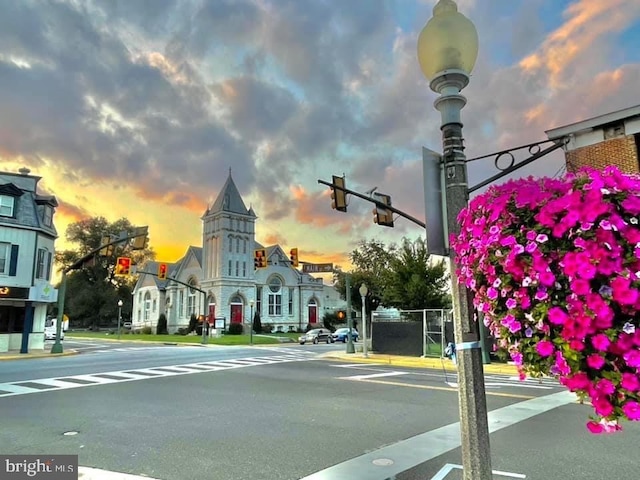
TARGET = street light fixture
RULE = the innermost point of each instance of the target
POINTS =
(447, 52)
(363, 295)
(119, 316)
(251, 323)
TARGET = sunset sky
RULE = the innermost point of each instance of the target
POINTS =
(139, 108)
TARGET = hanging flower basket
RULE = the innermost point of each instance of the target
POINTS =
(554, 265)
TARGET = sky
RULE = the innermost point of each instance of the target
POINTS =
(140, 108)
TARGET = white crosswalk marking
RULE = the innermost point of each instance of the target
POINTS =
(24, 387)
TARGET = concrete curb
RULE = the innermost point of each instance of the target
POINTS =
(88, 473)
(22, 356)
(416, 362)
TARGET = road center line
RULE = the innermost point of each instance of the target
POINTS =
(408, 453)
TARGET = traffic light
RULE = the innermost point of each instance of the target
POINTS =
(123, 266)
(260, 258)
(381, 215)
(341, 314)
(162, 271)
(141, 240)
(338, 196)
(107, 251)
(293, 255)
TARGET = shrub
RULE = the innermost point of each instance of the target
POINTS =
(182, 331)
(193, 321)
(146, 330)
(161, 328)
(257, 323)
(235, 329)
(267, 328)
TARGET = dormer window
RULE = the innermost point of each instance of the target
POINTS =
(47, 215)
(7, 206)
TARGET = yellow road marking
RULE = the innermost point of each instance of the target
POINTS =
(446, 389)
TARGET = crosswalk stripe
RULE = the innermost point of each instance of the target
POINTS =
(104, 378)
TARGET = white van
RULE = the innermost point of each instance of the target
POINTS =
(50, 328)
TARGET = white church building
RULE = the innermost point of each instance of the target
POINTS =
(225, 282)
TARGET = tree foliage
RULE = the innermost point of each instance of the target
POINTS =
(403, 276)
(93, 290)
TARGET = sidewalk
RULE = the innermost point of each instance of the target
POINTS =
(37, 354)
(416, 362)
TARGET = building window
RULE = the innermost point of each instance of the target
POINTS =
(181, 304)
(40, 263)
(7, 205)
(47, 215)
(229, 267)
(237, 245)
(5, 249)
(147, 306)
(244, 246)
(244, 269)
(290, 301)
(154, 306)
(259, 299)
(191, 300)
(230, 244)
(275, 297)
(237, 268)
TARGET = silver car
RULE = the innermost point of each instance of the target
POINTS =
(316, 335)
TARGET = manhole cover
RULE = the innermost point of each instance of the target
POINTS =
(382, 462)
(72, 432)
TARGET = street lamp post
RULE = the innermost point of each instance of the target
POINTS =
(119, 316)
(350, 347)
(363, 294)
(251, 324)
(447, 52)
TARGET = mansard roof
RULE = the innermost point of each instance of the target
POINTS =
(229, 200)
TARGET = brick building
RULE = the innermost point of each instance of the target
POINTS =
(610, 139)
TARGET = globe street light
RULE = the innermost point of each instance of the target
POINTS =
(363, 294)
(119, 316)
(447, 52)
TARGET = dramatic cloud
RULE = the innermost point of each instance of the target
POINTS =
(142, 108)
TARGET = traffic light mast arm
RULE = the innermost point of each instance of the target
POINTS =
(377, 203)
(78, 263)
(174, 280)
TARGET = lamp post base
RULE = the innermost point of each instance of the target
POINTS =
(350, 347)
(57, 347)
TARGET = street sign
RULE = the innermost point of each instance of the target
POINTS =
(317, 267)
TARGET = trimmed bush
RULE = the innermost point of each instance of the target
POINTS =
(267, 328)
(146, 330)
(161, 328)
(235, 329)
(193, 322)
(257, 323)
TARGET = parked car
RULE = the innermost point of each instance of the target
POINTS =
(315, 336)
(342, 335)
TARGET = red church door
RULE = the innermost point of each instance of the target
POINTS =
(236, 313)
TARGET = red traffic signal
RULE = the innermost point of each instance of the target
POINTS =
(162, 271)
(123, 266)
(260, 258)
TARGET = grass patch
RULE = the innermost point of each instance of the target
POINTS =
(262, 339)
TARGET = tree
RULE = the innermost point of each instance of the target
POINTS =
(193, 322)
(161, 328)
(93, 290)
(371, 261)
(414, 281)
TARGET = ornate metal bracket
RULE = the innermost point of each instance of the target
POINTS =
(534, 149)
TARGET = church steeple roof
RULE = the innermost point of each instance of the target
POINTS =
(229, 200)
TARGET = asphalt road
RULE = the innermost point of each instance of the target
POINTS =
(283, 412)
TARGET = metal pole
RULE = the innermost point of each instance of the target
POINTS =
(476, 452)
(364, 328)
(251, 326)
(119, 318)
(350, 346)
(57, 346)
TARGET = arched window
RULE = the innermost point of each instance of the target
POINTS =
(191, 298)
(275, 296)
(230, 243)
(244, 245)
(147, 306)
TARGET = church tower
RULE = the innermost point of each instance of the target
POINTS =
(228, 239)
